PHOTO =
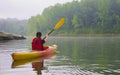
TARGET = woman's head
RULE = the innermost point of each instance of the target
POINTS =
(38, 34)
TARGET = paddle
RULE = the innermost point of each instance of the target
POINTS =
(57, 26)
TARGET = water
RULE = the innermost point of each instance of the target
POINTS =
(75, 56)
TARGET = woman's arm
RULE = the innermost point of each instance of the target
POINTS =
(46, 38)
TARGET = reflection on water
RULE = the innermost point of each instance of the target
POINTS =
(38, 66)
(37, 63)
(89, 55)
(75, 56)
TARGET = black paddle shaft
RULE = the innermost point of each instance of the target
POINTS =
(49, 33)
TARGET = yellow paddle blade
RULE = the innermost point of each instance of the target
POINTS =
(59, 24)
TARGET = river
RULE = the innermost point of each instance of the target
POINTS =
(75, 56)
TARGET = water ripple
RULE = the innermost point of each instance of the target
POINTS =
(70, 70)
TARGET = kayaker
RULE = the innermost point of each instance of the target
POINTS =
(37, 42)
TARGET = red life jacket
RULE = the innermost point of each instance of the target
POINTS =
(37, 45)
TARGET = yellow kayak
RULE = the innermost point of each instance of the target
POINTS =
(34, 54)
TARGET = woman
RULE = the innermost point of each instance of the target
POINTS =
(37, 42)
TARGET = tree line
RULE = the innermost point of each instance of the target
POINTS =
(81, 17)
(13, 26)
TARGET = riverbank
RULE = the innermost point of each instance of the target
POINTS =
(10, 36)
(90, 35)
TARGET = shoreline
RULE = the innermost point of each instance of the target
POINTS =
(89, 35)
(11, 36)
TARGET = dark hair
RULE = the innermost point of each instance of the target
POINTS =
(38, 34)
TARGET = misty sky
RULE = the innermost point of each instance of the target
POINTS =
(24, 9)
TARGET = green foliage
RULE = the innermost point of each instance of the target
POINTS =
(85, 16)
